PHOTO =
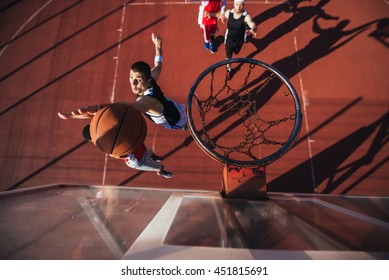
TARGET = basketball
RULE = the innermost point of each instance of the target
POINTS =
(118, 129)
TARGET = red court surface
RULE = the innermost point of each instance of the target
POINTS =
(62, 55)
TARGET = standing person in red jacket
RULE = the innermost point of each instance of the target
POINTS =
(210, 11)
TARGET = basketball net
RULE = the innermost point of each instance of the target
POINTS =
(245, 122)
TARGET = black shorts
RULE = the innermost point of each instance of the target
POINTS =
(233, 48)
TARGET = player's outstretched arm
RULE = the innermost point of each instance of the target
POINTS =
(142, 104)
(86, 112)
(148, 104)
(156, 70)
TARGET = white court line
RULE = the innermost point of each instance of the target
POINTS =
(105, 169)
(340, 209)
(118, 54)
(354, 214)
(113, 91)
(155, 138)
(23, 25)
(305, 102)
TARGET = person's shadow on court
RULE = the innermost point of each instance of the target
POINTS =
(300, 16)
(328, 162)
(327, 41)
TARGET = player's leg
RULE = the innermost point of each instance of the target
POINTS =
(148, 164)
(156, 158)
(206, 36)
(237, 48)
(229, 50)
(213, 30)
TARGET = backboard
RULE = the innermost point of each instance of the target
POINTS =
(111, 222)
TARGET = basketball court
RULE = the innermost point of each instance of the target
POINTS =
(57, 56)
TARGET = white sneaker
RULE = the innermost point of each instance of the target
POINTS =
(165, 174)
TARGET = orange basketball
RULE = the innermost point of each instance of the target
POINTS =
(118, 129)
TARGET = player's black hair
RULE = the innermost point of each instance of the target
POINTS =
(142, 67)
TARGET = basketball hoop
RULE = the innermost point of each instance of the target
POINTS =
(248, 120)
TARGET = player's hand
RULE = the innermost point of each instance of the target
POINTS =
(156, 40)
(221, 17)
(251, 32)
(206, 15)
(82, 113)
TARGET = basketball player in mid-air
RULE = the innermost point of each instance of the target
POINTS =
(150, 100)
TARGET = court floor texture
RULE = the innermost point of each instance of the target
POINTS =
(62, 55)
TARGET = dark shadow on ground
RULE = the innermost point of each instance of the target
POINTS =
(329, 161)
